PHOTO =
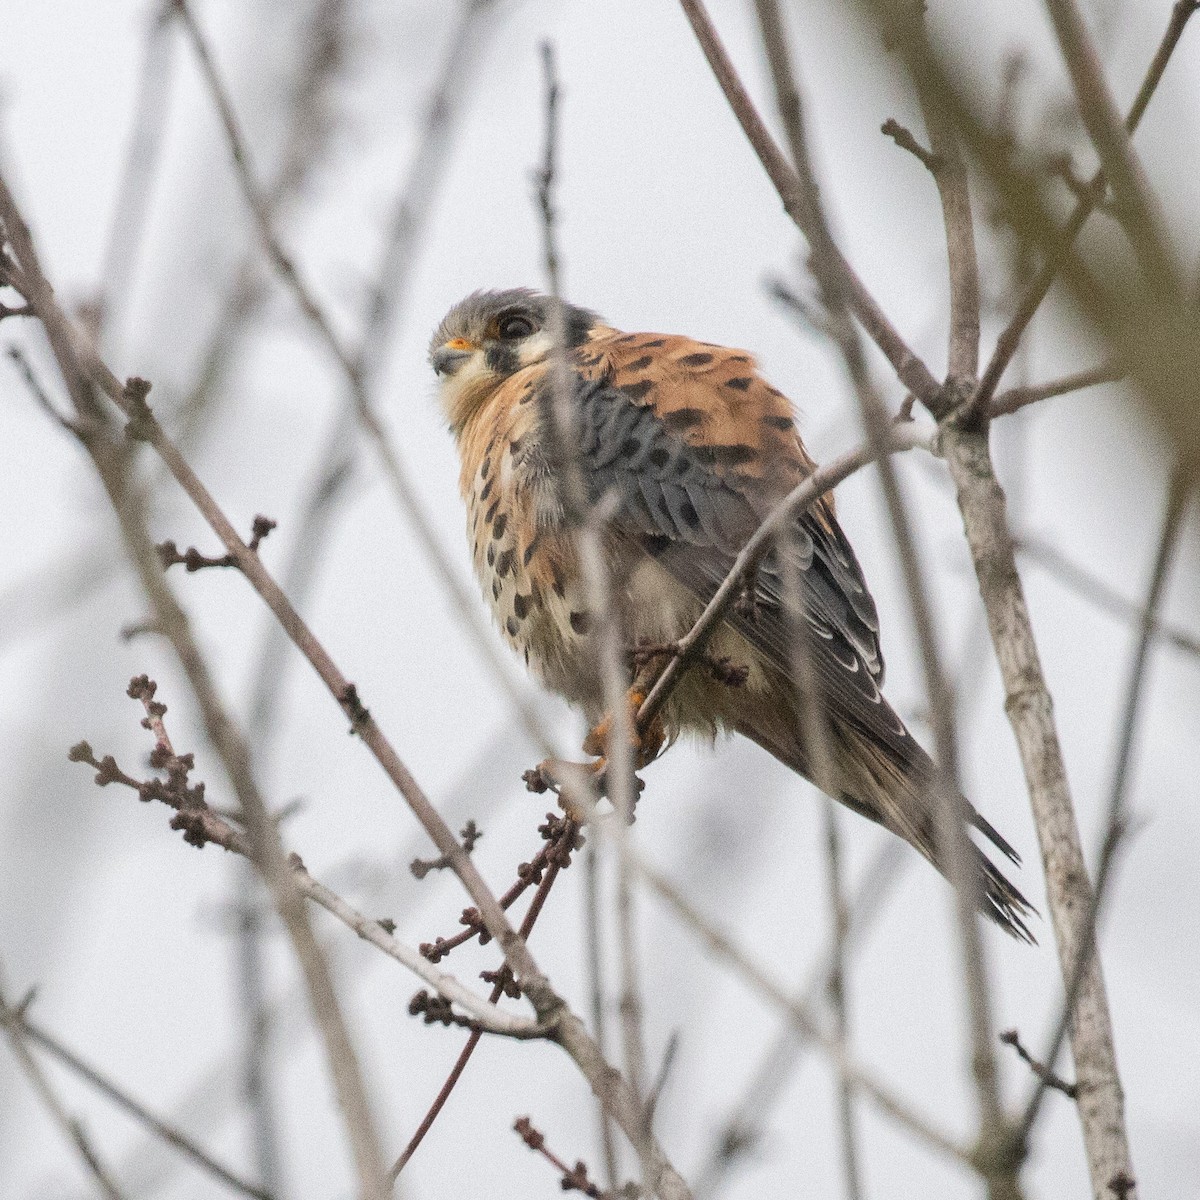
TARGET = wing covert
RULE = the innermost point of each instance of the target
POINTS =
(698, 449)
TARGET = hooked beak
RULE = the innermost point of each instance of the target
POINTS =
(448, 358)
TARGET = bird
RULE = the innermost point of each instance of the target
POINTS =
(691, 449)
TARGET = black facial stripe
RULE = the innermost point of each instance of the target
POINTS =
(502, 358)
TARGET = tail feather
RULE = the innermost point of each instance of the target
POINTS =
(894, 787)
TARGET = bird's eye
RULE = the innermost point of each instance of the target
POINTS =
(514, 327)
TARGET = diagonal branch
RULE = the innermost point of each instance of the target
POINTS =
(85, 372)
(16, 1017)
(913, 373)
(86, 377)
(690, 647)
(1038, 289)
(1136, 206)
(71, 1128)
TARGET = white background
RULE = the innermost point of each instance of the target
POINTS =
(668, 224)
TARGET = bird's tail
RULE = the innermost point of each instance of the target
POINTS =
(894, 785)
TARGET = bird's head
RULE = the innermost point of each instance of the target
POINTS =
(489, 336)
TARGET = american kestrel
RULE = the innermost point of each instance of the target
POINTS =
(697, 448)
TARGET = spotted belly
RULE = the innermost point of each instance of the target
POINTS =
(528, 578)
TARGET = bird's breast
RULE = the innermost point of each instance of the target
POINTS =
(523, 554)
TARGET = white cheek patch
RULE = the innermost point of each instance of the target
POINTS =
(455, 387)
(535, 347)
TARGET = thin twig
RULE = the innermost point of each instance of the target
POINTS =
(1039, 288)
(1010, 1037)
(559, 420)
(840, 919)
(799, 1012)
(201, 824)
(72, 1130)
(574, 1179)
(1136, 206)
(903, 137)
(742, 1128)
(1096, 591)
(594, 943)
(915, 375)
(128, 223)
(691, 646)
(564, 845)
(995, 1158)
(16, 1018)
(1017, 398)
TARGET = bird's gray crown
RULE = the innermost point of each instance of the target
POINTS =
(472, 317)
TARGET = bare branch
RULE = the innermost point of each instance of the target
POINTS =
(171, 1134)
(72, 1130)
(83, 372)
(1137, 208)
(1019, 397)
(1116, 819)
(798, 1012)
(201, 824)
(1093, 589)
(1010, 1037)
(83, 369)
(557, 858)
(559, 421)
(903, 137)
(909, 368)
(1038, 289)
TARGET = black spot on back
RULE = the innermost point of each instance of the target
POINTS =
(636, 391)
(490, 515)
(487, 490)
(500, 526)
(683, 418)
(640, 364)
(687, 510)
(485, 466)
(630, 447)
(491, 554)
(520, 606)
(776, 421)
(512, 626)
(659, 457)
(734, 456)
(740, 384)
(580, 622)
(529, 550)
(504, 563)
(695, 360)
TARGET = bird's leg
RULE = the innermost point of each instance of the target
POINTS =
(644, 654)
(555, 775)
(646, 743)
